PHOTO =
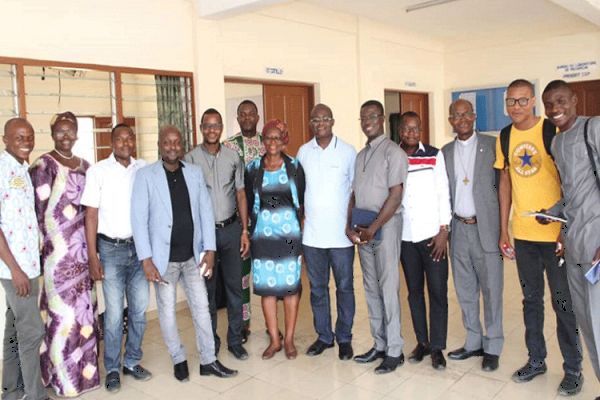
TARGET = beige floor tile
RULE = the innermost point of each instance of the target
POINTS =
(478, 386)
(422, 387)
(313, 385)
(352, 392)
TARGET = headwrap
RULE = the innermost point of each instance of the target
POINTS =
(279, 125)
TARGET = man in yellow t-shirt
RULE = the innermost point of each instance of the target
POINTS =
(529, 180)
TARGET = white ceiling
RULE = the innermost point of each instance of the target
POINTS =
(468, 23)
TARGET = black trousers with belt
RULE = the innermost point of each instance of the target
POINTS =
(418, 266)
(228, 271)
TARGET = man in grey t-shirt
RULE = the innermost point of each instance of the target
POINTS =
(581, 196)
(379, 175)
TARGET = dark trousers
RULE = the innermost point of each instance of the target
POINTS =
(228, 268)
(418, 266)
(532, 259)
(318, 264)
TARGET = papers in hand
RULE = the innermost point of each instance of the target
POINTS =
(593, 274)
(544, 215)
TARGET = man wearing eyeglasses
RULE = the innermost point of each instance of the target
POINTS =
(529, 181)
(328, 164)
(476, 263)
(223, 172)
(379, 176)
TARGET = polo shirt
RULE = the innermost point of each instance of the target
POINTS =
(224, 176)
(18, 221)
(108, 186)
(426, 203)
(328, 175)
(380, 165)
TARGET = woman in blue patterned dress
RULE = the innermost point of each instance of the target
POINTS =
(275, 191)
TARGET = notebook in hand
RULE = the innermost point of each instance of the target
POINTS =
(364, 218)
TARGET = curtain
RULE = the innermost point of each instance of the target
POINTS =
(171, 103)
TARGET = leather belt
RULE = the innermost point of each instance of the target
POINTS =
(225, 222)
(128, 240)
(469, 221)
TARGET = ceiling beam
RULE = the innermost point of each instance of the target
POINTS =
(586, 9)
(227, 8)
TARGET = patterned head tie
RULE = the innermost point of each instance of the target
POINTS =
(279, 125)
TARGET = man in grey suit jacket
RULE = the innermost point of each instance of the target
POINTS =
(476, 263)
(174, 234)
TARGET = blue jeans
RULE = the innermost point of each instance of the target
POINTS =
(123, 276)
(341, 261)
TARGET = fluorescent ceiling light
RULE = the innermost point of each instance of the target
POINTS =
(426, 4)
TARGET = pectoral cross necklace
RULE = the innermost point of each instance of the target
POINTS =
(461, 152)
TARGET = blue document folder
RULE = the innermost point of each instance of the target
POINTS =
(364, 218)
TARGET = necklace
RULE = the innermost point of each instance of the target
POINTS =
(466, 179)
(63, 156)
(365, 159)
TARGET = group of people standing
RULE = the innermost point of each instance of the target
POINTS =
(226, 208)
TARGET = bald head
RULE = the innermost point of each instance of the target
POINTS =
(459, 102)
(18, 138)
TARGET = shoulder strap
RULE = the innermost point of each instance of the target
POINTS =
(548, 133)
(505, 142)
(590, 153)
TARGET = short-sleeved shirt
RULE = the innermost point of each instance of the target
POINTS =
(580, 191)
(379, 166)
(247, 148)
(535, 182)
(329, 173)
(17, 217)
(108, 187)
(224, 176)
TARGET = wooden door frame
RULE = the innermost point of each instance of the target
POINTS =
(429, 94)
(263, 82)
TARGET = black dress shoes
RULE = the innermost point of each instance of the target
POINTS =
(345, 351)
(437, 359)
(217, 369)
(369, 356)
(490, 362)
(317, 348)
(463, 354)
(389, 364)
(181, 372)
(238, 352)
(418, 353)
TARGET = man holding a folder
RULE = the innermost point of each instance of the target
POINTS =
(379, 176)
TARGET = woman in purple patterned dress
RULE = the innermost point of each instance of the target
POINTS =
(69, 353)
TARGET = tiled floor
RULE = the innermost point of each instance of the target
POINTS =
(326, 377)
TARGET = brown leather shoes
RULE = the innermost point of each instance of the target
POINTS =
(270, 351)
(290, 351)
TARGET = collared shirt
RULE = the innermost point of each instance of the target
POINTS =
(426, 203)
(182, 231)
(108, 188)
(329, 173)
(224, 176)
(381, 165)
(580, 191)
(465, 152)
(247, 148)
(17, 217)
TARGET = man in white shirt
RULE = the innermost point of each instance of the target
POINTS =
(426, 218)
(20, 267)
(328, 164)
(112, 256)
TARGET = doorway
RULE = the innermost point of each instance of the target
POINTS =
(399, 102)
(588, 97)
(289, 102)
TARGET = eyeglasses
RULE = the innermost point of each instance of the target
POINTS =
(208, 127)
(370, 118)
(277, 139)
(67, 133)
(511, 101)
(465, 115)
(410, 129)
(317, 121)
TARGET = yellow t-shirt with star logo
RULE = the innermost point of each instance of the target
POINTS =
(535, 182)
